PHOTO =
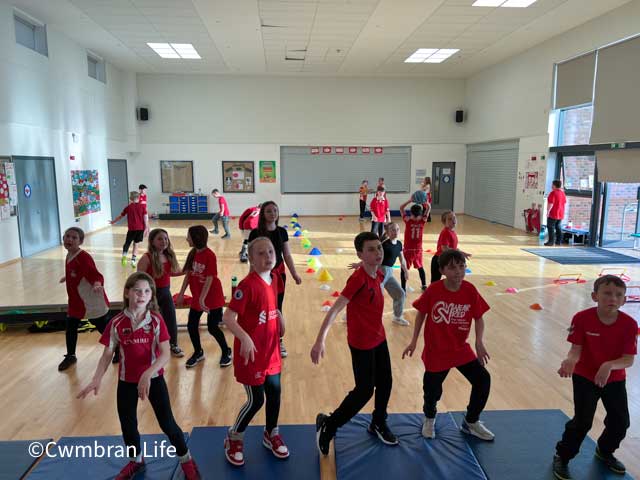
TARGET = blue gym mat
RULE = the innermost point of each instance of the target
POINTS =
(361, 455)
(15, 459)
(581, 255)
(107, 467)
(525, 444)
(207, 448)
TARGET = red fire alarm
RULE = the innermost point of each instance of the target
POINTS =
(72, 157)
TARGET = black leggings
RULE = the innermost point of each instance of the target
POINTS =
(363, 206)
(435, 269)
(161, 404)
(423, 278)
(71, 334)
(585, 397)
(372, 373)
(168, 310)
(480, 381)
(255, 399)
(213, 318)
(281, 295)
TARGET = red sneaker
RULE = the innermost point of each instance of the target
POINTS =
(131, 469)
(233, 450)
(275, 443)
(190, 470)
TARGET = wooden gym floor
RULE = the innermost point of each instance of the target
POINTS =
(526, 346)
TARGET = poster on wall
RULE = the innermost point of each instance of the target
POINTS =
(532, 180)
(8, 189)
(238, 177)
(267, 171)
(86, 192)
(176, 176)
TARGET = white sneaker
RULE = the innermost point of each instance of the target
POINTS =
(429, 428)
(477, 429)
(400, 321)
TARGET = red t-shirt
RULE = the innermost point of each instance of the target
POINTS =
(447, 324)
(249, 218)
(205, 265)
(139, 344)
(164, 280)
(80, 275)
(602, 343)
(559, 200)
(447, 237)
(256, 304)
(135, 213)
(379, 208)
(364, 310)
(224, 207)
(143, 199)
(413, 232)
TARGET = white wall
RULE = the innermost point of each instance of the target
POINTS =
(43, 100)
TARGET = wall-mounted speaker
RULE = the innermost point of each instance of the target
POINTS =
(142, 114)
(459, 116)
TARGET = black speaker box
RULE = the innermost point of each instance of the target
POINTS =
(459, 116)
(142, 114)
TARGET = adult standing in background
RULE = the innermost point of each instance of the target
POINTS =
(555, 213)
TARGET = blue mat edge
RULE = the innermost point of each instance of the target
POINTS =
(622, 258)
(34, 461)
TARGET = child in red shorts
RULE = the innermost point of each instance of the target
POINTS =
(603, 343)
(257, 323)
(447, 309)
(413, 230)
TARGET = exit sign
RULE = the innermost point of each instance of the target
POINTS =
(615, 146)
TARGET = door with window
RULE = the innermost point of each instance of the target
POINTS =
(443, 181)
(578, 174)
(620, 218)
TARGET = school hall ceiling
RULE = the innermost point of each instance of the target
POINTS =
(311, 37)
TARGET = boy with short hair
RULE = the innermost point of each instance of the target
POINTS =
(556, 202)
(142, 190)
(221, 214)
(447, 309)
(603, 344)
(379, 211)
(447, 240)
(362, 295)
(137, 226)
(413, 229)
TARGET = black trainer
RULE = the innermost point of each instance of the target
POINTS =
(548, 244)
(561, 469)
(323, 435)
(195, 359)
(225, 359)
(67, 362)
(612, 463)
(384, 434)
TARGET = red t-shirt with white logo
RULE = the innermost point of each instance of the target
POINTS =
(224, 207)
(559, 200)
(256, 303)
(447, 324)
(249, 218)
(135, 213)
(379, 208)
(413, 229)
(364, 310)
(447, 237)
(205, 265)
(602, 343)
(139, 343)
(165, 279)
(80, 275)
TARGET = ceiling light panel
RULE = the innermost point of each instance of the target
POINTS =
(431, 55)
(518, 3)
(488, 3)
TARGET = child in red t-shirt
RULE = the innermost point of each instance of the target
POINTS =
(447, 240)
(142, 190)
(141, 337)
(201, 275)
(380, 213)
(257, 323)
(247, 222)
(447, 309)
(85, 290)
(222, 214)
(362, 295)
(137, 226)
(603, 343)
(161, 264)
(413, 230)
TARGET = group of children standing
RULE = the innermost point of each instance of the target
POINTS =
(603, 338)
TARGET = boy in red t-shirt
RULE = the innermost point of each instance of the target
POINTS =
(603, 343)
(221, 214)
(447, 309)
(556, 202)
(447, 240)
(413, 229)
(257, 323)
(362, 295)
(137, 226)
(247, 222)
(379, 211)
